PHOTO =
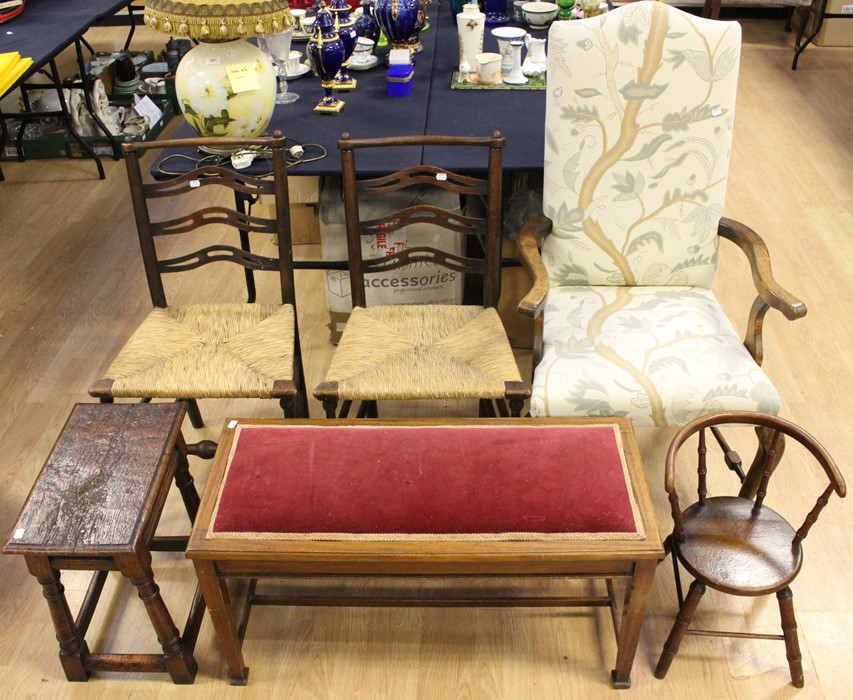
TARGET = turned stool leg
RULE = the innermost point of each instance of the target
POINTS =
(789, 631)
(72, 647)
(184, 480)
(179, 661)
(679, 629)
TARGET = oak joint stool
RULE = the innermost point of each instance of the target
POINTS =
(95, 507)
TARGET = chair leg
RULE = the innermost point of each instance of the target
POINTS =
(516, 406)
(194, 413)
(679, 629)
(330, 406)
(288, 406)
(789, 631)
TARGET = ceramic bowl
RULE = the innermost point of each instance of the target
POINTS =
(539, 14)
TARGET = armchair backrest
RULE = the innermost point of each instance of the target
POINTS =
(638, 131)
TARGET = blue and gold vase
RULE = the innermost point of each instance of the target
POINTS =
(366, 25)
(345, 27)
(397, 18)
(325, 52)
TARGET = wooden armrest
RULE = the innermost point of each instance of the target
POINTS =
(529, 237)
(759, 261)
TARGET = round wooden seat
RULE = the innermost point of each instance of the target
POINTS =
(754, 544)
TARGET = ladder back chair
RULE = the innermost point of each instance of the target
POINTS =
(639, 120)
(213, 349)
(429, 351)
(736, 544)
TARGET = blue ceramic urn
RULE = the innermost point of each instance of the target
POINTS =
(326, 54)
(397, 19)
(345, 27)
(366, 25)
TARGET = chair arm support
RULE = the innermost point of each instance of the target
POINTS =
(529, 237)
(759, 261)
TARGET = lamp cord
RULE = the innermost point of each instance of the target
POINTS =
(295, 156)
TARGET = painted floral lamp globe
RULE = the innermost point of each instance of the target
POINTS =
(225, 85)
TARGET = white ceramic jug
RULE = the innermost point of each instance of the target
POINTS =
(488, 68)
(536, 60)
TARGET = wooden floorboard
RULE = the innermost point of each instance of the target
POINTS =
(72, 288)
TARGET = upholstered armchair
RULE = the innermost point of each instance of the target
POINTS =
(638, 133)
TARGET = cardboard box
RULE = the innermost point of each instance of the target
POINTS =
(46, 145)
(304, 224)
(422, 283)
(103, 147)
(839, 7)
(835, 31)
(304, 189)
(60, 144)
(102, 65)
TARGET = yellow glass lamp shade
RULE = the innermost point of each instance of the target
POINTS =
(224, 85)
(226, 89)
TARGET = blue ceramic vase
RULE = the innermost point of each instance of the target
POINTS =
(325, 52)
(345, 27)
(366, 25)
(397, 18)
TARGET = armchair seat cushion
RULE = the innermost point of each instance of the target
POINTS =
(658, 355)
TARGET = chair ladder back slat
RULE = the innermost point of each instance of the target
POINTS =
(217, 253)
(213, 216)
(774, 452)
(143, 227)
(424, 214)
(703, 467)
(209, 176)
(424, 175)
(812, 517)
(420, 255)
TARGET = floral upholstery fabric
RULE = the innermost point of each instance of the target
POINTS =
(660, 356)
(638, 132)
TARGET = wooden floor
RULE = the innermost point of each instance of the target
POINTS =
(72, 289)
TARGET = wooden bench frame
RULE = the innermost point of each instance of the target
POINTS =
(234, 556)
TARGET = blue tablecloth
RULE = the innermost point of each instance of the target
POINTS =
(431, 108)
(47, 27)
